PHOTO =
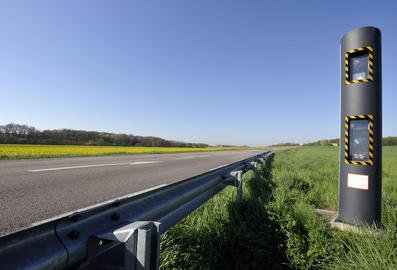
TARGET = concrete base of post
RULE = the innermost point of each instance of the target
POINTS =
(331, 217)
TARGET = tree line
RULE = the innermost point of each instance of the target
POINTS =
(24, 134)
(387, 141)
(284, 144)
(323, 142)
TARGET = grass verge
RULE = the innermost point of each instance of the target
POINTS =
(224, 234)
(275, 226)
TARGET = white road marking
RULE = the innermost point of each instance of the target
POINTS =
(184, 158)
(92, 166)
(144, 162)
(191, 157)
(213, 169)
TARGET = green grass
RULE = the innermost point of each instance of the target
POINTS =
(275, 225)
(224, 234)
(24, 151)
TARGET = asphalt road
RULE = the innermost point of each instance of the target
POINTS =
(37, 189)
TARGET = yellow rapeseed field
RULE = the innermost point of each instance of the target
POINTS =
(20, 151)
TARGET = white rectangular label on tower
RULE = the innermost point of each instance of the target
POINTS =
(358, 181)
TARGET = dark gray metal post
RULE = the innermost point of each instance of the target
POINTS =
(360, 179)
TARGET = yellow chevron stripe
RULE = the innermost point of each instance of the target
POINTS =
(371, 116)
(346, 161)
(346, 147)
(363, 163)
(347, 76)
(371, 132)
(347, 82)
(346, 133)
(360, 49)
(370, 48)
(351, 51)
(371, 56)
(354, 162)
(346, 154)
(371, 147)
(371, 155)
(353, 117)
(371, 139)
(362, 116)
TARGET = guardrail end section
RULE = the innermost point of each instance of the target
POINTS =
(134, 246)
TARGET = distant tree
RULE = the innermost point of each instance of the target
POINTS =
(15, 133)
(388, 141)
(285, 144)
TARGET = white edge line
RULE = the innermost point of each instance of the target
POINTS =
(92, 166)
(191, 157)
(213, 169)
(145, 162)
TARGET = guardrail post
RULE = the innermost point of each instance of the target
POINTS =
(239, 178)
(139, 240)
(143, 249)
(238, 183)
(261, 160)
(252, 165)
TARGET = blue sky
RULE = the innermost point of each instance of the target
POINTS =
(218, 72)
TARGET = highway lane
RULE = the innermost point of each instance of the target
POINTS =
(37, 189)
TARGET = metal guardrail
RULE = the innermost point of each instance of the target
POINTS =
(123, 234)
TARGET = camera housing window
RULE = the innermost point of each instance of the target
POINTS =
(359, 65)
(359, 140)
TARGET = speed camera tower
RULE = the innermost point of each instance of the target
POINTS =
(360, 179)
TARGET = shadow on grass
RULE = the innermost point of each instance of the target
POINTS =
(246, 239)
